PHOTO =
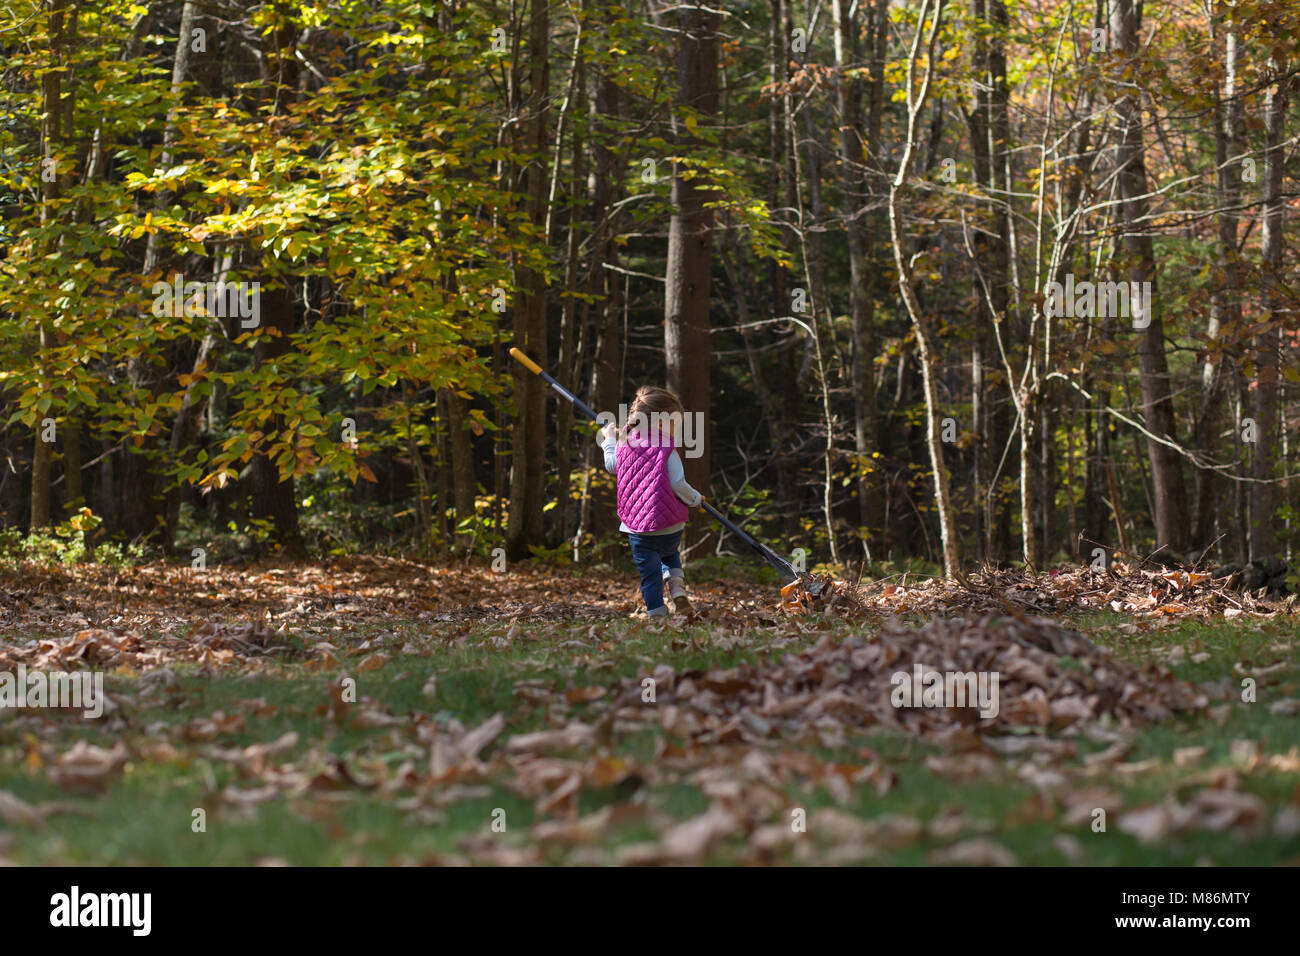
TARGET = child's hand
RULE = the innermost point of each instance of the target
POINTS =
(610, 431)
(700, 504)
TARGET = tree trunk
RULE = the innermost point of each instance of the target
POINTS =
(52, 134)
(983, 452)
(1028, 502)
(687, 330)
(606, 287)
(1225, 306)
(861, 240)
(274, 496)
(819, 302)
(569, 365)
(907, 286)
(73, 489)
(1001, 253)
(785, 429)
(1169, 493)
(988, 127)
(438, 524)
(1096, 489)
(528, 438)
(464, 484)
(1263, 520)
(180, 69)
(185, 428)
(143, 507)
(1047, 472)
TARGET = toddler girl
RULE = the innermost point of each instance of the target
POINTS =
(653, 494)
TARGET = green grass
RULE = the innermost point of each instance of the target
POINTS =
(144, 814)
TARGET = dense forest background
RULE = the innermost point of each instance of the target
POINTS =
(995, 281)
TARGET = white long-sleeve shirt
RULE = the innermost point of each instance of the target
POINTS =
(676, 477)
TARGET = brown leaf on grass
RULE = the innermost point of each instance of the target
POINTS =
(563, 796)
(1069, 847)
(327, 651)
(1027, 670)
(86, 767)
(1040, 777)
(18, 812)
(607, 771)
(368, 717)
(1151, 824)
(1244, 753)
(453, 750)
(586, 830)
(1286, 823)
(552, 741)
(979, 851)
(338, 776)
(1187, 756)
(249, 797)
(209, 728)
(952, 822)
(246, 638)
(1029, 744)
(372, 663)
(1288, 762)
(1031, 709)
(1081, 805)
(963, 767)
(1137, 767)
(1038, 808)
(490, 849)
(828, 825)
(339, 708)
(475, 740)
(253, 760)
(1221, 810)
(894, 831)
(691, 839)
(773, 836)
(1111, 755)
(1068, 710)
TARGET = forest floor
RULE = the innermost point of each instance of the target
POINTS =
(379, 711)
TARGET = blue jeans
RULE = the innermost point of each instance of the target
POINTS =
(652, 553)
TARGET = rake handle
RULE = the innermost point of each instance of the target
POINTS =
(536, 369)
(730, 526)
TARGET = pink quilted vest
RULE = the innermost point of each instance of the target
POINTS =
(646, 502)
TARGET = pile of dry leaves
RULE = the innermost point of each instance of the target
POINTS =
(1047, 678)
(1123, 588)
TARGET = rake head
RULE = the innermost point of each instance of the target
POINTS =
(807, 592)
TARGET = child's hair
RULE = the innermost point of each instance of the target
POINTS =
(651, 398)
(651, 407)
